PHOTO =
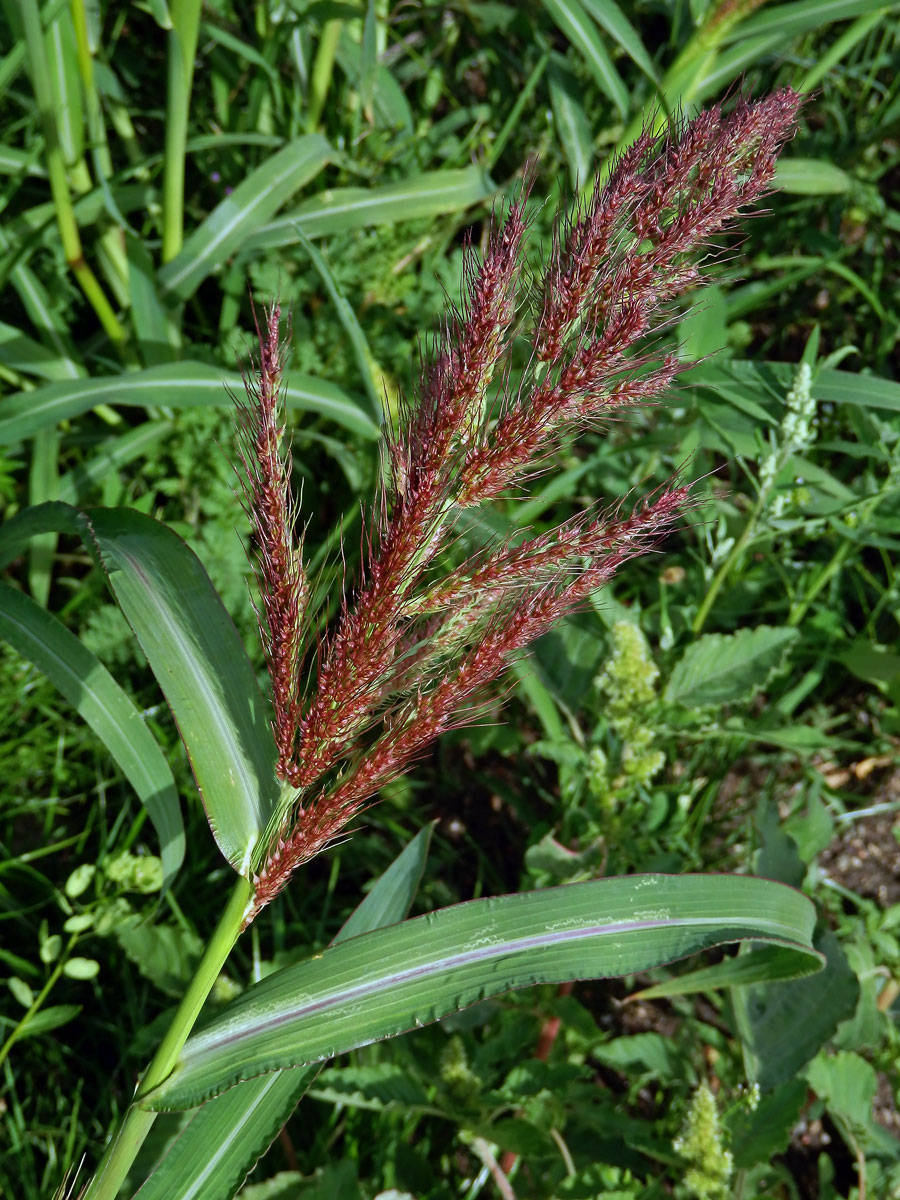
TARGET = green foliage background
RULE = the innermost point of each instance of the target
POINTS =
(730, 705)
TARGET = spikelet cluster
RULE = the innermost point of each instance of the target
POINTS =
(416, 646)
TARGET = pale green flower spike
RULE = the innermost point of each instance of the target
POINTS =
(700, 1142)
(629, 683)
(456, 1074)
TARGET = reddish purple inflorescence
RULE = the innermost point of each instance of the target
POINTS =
(416, 647)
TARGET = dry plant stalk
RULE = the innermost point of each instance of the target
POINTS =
(415, 648)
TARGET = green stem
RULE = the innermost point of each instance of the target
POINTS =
(323, 68)
(512, 121)
(38, 1000)
(56, 171)
(122, 1151)
(725, 570)
(182, 51)
(866, 512)
(828, 572)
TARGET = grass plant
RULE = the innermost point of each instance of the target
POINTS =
(731, 706)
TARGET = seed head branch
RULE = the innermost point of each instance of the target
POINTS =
(282, 581)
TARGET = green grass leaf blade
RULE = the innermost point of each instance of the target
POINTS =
(43, 316)
(177, 385)
(386, 982)
(862, 391)
(79, 675)
(763, 380)
(431, 194)
(610, 17)
(573, 21)
(791, 20)
(571, 121)
(253, 202)
(14, 161)
(719, 70)
(151, 323)
(109, 457)
(725, 668)
(43, 478)
(227, 1135)
(212, 1155)
(201, 666)
(762, 964)
(349, 323)
(65, 85)
(31, 522)
(811, 177)
(22, 353)
(390, 899)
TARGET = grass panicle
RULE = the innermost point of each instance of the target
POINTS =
(411, 654)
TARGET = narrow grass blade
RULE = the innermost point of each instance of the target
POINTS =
(45, 319)
(571, 123)
(253, 202)
(22, 353)
(211, 1157)
(200, 663)
(238, 47)
(718, 71)
(791, 20)
(156, 342)
(573, 21)
(43, 477)
(765, 380)
(87, 210)
(762, 964)
(75, 485)
(183, 24)
(843, 387)
(390, 899)
(610, 17)
(178, 385)
(17, 532)
(339, 209)
(41, 638)
(811, 177)
(65, 86)
(828, 62)
(14, 161)
(384, 983)
(227, 1135)
(350, 325)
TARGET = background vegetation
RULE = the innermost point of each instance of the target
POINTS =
(731, 704)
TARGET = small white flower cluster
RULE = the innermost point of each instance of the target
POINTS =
(796, 434)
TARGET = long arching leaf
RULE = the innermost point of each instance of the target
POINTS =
(338, 210)
(176, 385)
(384, 983)
(253, 202)
(199, 661)
(41, 638)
